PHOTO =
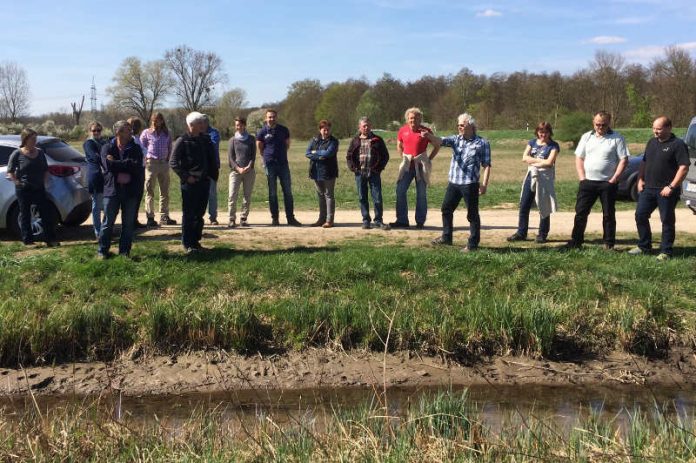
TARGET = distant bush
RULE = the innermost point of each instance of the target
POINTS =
(11, 128)
(571, 126)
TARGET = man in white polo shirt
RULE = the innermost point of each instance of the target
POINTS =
(600, 158)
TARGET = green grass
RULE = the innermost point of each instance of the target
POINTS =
(65, 305)
(440, 427)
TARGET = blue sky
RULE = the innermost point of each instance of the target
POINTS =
(267, 45)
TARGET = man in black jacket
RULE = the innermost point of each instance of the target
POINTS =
(367, 156)
(193, 160)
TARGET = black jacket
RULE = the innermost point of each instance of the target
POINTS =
(194, 157)
(379, 154)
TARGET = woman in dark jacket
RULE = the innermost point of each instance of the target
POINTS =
(323, 169)
(95, 180)
(27, 168)
(122, 164)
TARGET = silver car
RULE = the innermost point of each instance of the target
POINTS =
(689, 185)
(66, 186)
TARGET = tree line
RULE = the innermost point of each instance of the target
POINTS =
(633, 93)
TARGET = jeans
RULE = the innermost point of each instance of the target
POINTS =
(402, 202)
(649, 200)
(194, 199)
(128, 205)
(453, 195)
(275, 172)
(526, 200)
(26, 197)
(246, 181)
(97, 210)
(327, 203)
(588, 192)
(212, 201)
(375, 183)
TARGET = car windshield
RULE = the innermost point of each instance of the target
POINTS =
(62, 152)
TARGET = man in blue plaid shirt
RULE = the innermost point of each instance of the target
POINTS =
(470, 153)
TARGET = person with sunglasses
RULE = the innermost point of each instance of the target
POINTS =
(95, 179)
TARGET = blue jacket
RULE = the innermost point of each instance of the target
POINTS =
(131, 164)
(95, 179)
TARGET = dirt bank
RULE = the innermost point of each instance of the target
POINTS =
(137, 373)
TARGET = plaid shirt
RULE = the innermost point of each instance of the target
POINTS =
(155, 145)
(467, 158)
(365, 156)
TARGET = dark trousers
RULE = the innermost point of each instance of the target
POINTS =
(649, 200)
(374, 181)
(453, 195)
(194, 200)
(588, 192)
(275, 172)
(526, 201)
(26, 197)
(128, 205)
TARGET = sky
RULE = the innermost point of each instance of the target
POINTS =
(267, 45)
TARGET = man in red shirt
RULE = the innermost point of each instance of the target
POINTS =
(412, 145)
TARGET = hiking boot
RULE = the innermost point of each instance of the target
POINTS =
(293, 222)
(244, 223)
(328, 225)
(275, 222)
(382, 225)
(516, 237)
(441, 241)
(399, 224)
(151, 223)
(318, 223)
(232, 224)
(540, 239)
(167, 221)
(366, 225)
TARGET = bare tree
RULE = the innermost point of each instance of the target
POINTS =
(228, 107)
(196, 74)
(14, 91)
(673, 82)
(77, 110)
(140, 87)
(607, 71)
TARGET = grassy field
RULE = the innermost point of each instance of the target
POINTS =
(506, 175)
(439, 427)
(63, 305)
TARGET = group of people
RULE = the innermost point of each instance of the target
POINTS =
(122, 169)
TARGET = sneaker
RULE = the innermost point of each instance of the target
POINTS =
(663, 256)
(318, 223)
(516, 237)
(52, 244)
(28, 242)
(151, 223)
(399, 224)
(139, 224)
(125, 255)
(244, 223)
(635, 251)
(420, 226)
(231, 224)
(167, 221)
(382, 225)
(214, 222)
(190, 250)
(608, 247)
(294, 222)
(366, 225)
(275, 222)
(441, 241)
(328, 225)
(540, 239)
(102, 255)
(467, 249)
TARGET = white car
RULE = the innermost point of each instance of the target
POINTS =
(689, 184)
(66, 186)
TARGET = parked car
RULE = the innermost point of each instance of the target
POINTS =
(628, 180)
(689, 184)
(66, 186)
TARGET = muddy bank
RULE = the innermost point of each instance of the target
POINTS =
(136, 373)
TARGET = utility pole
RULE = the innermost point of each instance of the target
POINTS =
(93, 99)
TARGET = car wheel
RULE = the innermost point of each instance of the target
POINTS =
(37, 223)
(633, 191)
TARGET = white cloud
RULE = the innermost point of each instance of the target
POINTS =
(488, 13)
(606, 40)
(647, 53)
